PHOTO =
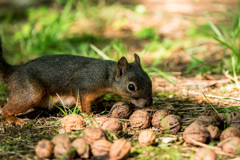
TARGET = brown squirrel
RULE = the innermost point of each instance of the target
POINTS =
(39, 83)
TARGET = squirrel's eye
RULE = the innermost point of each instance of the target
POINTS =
(131, 87)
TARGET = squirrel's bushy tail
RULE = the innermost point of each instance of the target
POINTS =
(5, 69)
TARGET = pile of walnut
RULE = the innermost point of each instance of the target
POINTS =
(93, 141)
(164, 120)
(206, 128)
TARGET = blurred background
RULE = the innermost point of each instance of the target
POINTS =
(173, 37)
(190, 48)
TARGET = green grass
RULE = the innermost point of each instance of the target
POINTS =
(8, 147)
(228, 36)
(3, 88)
(151, 152)
(65, 109)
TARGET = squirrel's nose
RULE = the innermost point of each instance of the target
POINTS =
(149, 102)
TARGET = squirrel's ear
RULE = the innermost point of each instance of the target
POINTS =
(122, 66)
(137, 59)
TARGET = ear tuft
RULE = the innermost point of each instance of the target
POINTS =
(137, 59)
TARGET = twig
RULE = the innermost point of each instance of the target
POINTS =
(62, 102)
(228, 76)
(234, 79)
(216, 149)
(213, 96)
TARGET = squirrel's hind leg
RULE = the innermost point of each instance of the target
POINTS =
(20, 100)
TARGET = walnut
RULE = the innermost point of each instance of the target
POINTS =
(82, 147)
(64, 150)
(120, 110)
(225, 118)
(62, 146)
(208, 120)
(230, 145)
(112, 125)
(230, 132)
(196, 132)
(140, 119)
(235, 122)
(101, 148)
(146, 138)
(171, 123)
(61, 138)
(232, 119)
(97, 121)
(44, 149)
(214, 131)
(91, 135)
(73, 122)
(200, 123)
(120, 149)
(211, 113)
(205, 154)
(159, 115)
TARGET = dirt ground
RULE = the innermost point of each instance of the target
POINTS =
(186, 97)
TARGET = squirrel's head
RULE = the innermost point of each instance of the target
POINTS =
(131, 82)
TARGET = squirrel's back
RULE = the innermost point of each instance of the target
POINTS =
(5, 69)
(57, 72)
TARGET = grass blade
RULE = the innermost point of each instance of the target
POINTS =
(225, 44)
(209, 103)
(164, 75)
(98, 51)
(216, 30)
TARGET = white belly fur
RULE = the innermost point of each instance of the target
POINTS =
(51, 101)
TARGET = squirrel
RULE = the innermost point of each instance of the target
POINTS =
(71, 79)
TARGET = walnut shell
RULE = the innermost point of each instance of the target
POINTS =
(64, 150)
(61, 138)
(205, 154)
(171, 123)
(159, 115)
(235, 122)
(226, 118)
(120, 149)
(208, 120)
(140, 119)
(232, 119)
(91, 135)
(230, 132)
(120, 110)
(97, 121)
(73, 122)
(214, 131)
(197, 133)
(211, 113)
(230, 145)
(112, 125)
(199, 123)
(82, 147)
(101, 148)
(146, 138)
(44, 149)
